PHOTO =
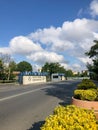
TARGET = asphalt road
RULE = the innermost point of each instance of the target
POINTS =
(26, 107)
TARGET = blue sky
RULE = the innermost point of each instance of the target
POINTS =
(40, 31)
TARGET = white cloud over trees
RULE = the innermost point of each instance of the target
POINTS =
(52, 44)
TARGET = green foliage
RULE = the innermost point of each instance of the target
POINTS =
(24, 66)
(95, 66)
(69, 73)
(53, 68)
(1, 66)
(12, 66)
(7, 66)
(86, 84)
(56, 68)
(71, 118)
(12, 76)
(7, 81)
(3, 76)
(86, 90)
(1, 69)
(93, 53)
(93, 50)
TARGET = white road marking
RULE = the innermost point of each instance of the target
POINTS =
(20, 94)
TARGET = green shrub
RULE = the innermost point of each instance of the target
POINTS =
(86, 80)
(89, 94)
(71, 118)
(86, 84)
(7, 81)
(86, 90)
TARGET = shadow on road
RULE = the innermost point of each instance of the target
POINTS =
(36, 126)
(62, 91)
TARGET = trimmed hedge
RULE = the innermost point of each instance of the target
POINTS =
(89, 94)
(86, 84)
(86, 90)
(71, 118)
(7, 81)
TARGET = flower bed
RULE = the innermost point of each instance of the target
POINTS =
(86, 96)
(71, 118)
(86, 90)
(89, 94)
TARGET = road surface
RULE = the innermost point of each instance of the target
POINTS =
(26, 107)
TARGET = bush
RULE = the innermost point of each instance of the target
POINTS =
(90, 94)
(86, 84)
(86, 90)
(7, 81)
(71, 118)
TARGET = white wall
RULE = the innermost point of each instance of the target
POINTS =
(33, 79)
(59, 78)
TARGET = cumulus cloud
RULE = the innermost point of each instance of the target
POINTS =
(23, 45)
(77, 30)
(72, 39)
(46, 35)
(94, 8)
(5, 50)
(51, 38)
(45, 56)
(85, 60)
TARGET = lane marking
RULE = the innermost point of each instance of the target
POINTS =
(24, 93)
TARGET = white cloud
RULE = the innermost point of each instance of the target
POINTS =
(44, 56)
(79, 29)
(51, 38)
(95, 35)
(5, 50)
(72, 39)
(76, 67)
(85, 60)
(94, 8)
(23, 45)
(46, 35)
(81, 33)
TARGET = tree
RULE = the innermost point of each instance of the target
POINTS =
(93, 53)
(69, 73)
(53, 68)
(1, 66)
(13, 66)
(12, 69)
(6, 59)
(24, 66)
(1, 70)
(93, 50)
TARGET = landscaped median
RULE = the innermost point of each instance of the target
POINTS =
(81, 115)
(86, 96)
(71, 117)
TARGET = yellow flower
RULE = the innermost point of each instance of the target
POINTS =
(71, 118)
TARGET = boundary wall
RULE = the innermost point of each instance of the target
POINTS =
(33, 79)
